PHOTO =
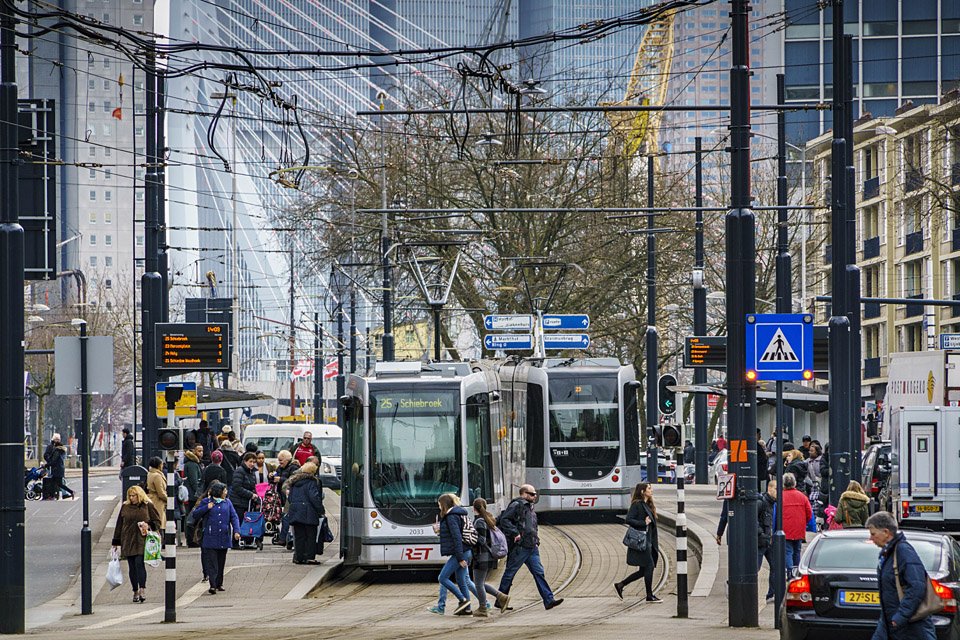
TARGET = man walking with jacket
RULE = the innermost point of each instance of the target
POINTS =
(128, 450)
(519, 524)
(796, 514)
(193, 479)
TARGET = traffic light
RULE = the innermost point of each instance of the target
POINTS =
(176, 439)
(668, 435)
(666, 397)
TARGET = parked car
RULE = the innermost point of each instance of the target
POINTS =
(718, 466)
(875, 473)
(835, 587)
(666, 469)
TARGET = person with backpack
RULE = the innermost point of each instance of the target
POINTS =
(491, 546)
(519, 523)
(852, 508)
(453, 529)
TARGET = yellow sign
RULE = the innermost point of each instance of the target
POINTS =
(186, 406)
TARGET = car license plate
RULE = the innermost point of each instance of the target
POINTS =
(926, 508)
(860, 598)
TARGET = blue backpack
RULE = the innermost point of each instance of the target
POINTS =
(498, 544)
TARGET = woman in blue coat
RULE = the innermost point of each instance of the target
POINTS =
(895, 613)
(219, 519)
(452, 516)
(306, 507)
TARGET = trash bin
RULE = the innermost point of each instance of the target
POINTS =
(131, 476)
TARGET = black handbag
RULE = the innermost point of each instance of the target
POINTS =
(636, 540)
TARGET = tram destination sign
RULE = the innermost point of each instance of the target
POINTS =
(192, 346)
(705, 352)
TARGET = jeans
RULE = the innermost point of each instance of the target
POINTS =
(452, 567)
(472, 587)
(138, 572)
(767, 552)
(518, 557)
(284, 529)
(216, 561)
(793, 555)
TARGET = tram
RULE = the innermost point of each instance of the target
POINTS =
(412, 432)
(582, 430)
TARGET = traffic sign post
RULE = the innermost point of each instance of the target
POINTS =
(521, 322)
(779, 346)
(580, 322)
(566, 341)
(508, 342)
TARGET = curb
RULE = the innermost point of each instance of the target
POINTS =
(317, 577)
(708, 557)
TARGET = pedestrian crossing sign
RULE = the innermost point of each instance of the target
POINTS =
(779, 346)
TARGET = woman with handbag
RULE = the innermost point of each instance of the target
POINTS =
(643, 548)
(137, 517)
(852, 508)
(219, 521)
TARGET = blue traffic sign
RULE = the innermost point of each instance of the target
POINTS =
(508, 342)
(578, 321)
(508, 323)
(566, 341)
(779, 346)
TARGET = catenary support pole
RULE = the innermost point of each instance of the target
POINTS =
(702, 448)
(387, 351)
(652, 348)
(317, 372)
(741, 291)
(341, 381)
(683, 604)
(11, 342)
(293, 339)
(353, 326)
(86, 541)
(170, 533)
(151, 282)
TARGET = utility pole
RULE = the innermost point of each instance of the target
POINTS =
(86, 542)
(700, 329)
(341, 382)
(387, 352)
(741, 291)
(652, 348)
(317, 372)
(293, 362)
(11, 340)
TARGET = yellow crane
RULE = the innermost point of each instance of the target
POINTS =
(637, 131)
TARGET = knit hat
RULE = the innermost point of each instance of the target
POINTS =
(226, 429)
(216, 456)
(309, 468)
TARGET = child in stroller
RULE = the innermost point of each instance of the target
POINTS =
(33, 483)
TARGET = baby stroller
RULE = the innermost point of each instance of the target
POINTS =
(252, 526)
(273, 513)
(33, 483)
(818, 505)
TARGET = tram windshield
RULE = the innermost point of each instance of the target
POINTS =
(584, 425)
(415, 451)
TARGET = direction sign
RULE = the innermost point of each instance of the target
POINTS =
(566, 341)
(508, 342)
(192, 346)
(950, 340)
(779, 346)
(187, 404)
(578, 321)
(508, 323)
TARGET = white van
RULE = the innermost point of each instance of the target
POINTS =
(273, 438)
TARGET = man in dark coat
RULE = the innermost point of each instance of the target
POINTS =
(762, 474)
(519, 524)
(205, 437)
(896, 611)
(128, 450)
(54, 457)
(306, 507)
(244, 484)
(286, 467)
(231, 460)
(193, 478)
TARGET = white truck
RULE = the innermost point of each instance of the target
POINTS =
(922, 421)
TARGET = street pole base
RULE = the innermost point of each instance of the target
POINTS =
(743, 615)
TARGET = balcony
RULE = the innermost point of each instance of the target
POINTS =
(955, 311)
(914, 180)
(871, 248)
(871, 310)
(828, 254)
(871, 368)
(914, 243)
(955, 174)
(914, 310)
(871, 188)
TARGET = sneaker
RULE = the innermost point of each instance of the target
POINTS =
(203, 579)
(465, 612)
(553, 603)
(220, 589)
(653, 599)
(619, 589)
(503, 601)
(136, 599)
(212, 591)
(463, 605)
(142, 599)
(770, 599)
(481, 611)
(437, 610)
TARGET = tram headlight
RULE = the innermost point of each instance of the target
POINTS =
(377, 524)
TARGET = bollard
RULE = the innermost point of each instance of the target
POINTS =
(682, 596)
(170, 540)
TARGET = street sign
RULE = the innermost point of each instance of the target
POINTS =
(566, 341)
(508, 323)
(192, 346)
(779, 346)
(950, 340)
(187, 404)
(100, 371)
(579, 321)
(705, 352)
(726, 486)
(508, 342)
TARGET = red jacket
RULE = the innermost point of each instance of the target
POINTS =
(796, 514)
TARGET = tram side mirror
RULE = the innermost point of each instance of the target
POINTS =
(634, 385)
(494, 396)
(346, 401)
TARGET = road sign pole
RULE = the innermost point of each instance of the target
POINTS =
(779, 541)
(652, 349)
(170, 532)
(86, 543)
(702, 447)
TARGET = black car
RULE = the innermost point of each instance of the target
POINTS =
(835, 593)
(875, 473)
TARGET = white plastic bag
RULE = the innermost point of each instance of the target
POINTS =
(114, 572)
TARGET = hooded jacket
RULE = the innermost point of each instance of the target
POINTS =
(54, 456)
(231, 460)
(218, 518)
(305, 499)
(214, 473)
(193, 473)
(852, 509)
(451, 534)
(913, 580)
(128, 452)
(519, 519)
(796, 513)
(243, 488)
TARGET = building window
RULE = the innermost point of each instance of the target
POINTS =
(93, 196)
(93, 261)
(871, 341)
(138, 130)
(93, 217)
(108, 284)
(106, 173)
(106, 85)
(108, 261)
(139, 173)
(107, 195)
(912, 216)
(106, 106)
(93, 239)
(138, 85)
(92, 85)
(138, 108)
(92, 107)
(912, 278)
(92, 152)
(107, 130)
(106, 63)
(912, 157)
(93, 174)
(107, 151)
(139, 195)
(107, 217)
(139, 241)
(912, 337)
(871, 281)
(871, 222)
(108, 240)
(138, 19)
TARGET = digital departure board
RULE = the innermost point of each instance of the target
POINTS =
(192, 346)
(705, 352)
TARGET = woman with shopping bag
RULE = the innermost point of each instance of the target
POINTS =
(137, 518)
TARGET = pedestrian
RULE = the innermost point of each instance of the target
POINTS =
(194, 528)
(137, 517)
(206, 438)
(898, 602)
(213, 472)
(814, 463)
(230, 461)
(483, 561)
(128, 450)
(852, 508)
(157, 489)
(244, 486)
(765, 511)
(178, 504)
(762, 474)
(220, 520)
(796, 514)
(54, 456)
(804, 448)
(689, 453)
(794, 463)
(306, 508)
(262, 470)
(193, 473)
(286, 467)
(450, 528)
(235, 442)
(721, 443)
(519, 524)
(222, 436)
(305, 448)
(642, 516)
